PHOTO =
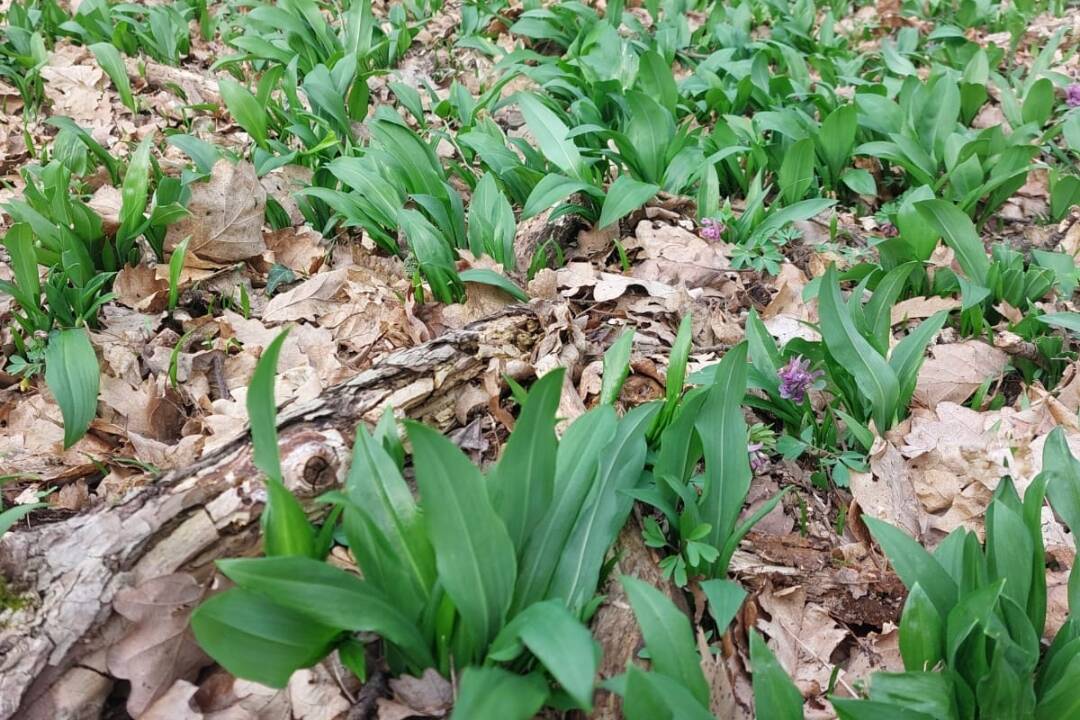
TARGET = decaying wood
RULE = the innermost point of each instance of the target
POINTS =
(69, 573)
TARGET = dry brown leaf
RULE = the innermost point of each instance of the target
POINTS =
(225, 215)
(175, 704)
(921, 307)
(430, 694)
(802, 636)
(673, 255)
(955, 372)
(302, 249)
(140, 288)
(315, 695)
(315, 296)
(74, 87)
(159, 648)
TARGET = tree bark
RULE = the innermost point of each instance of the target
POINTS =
(67, 574)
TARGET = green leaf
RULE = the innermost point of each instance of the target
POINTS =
(134, 196)
(837, 138)
(725, 598)
(1038, 102)
(908, 355)
(775, 695)
(551, 135)
(1062, 700)
(560, 642)
(878, 312)
(576, 465)
(796, 173)
(329, 596)
(73, 376)
(668, 637)
(523, 483)
(649, 132)
(722, 429)
(109, 59)
(14, 514)
(176, 266)
(19, 242)
(657, 81)
(914, 564)
(256, 639)
(654, 696)
(849, 709)
(922, 632)
(474, 553)
(1067, 320)
(876, 380)
(1063, 486)
(792, 213)
(434, 255)
(623, 197)
(286, 530)
(243, 106)
(552, 189)
(861, 181)
(604, 514)
(676, 373)
(491, 223)
(616, 367)
(486, 276)
(959, 233)
(491, 693)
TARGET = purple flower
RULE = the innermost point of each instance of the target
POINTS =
(1072, 95)
(796, 379)
(758, 459)
(711, 229)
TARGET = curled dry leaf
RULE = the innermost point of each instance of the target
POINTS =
(139, 288)
(302, 249)
(921, 307)
(225, 215)
(159, 648)
(315, 296)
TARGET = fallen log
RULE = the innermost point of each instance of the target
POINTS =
(64, 577)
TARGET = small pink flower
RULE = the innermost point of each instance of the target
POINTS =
(1072, 95)
(711, 229)
(758, 459)
(796, 379)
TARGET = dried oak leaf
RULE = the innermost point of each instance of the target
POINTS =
(674, 255)
(159, 648)
(225, 215)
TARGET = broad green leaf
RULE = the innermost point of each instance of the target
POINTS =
(676, 373)
(134, 196)
(329, 596)
(176, 265)
(523, 483)
(657, 81)
(550, 190)
(775, 695)
(668, 636)
(73, 377)
(112, 63)
(603, 516)
(649, 132)
(803, 210)
(1062, 699)
(1068, 320)
(725, 598)
(493, 278)
(926, 692)
(655, 696)
(908, 355)
(878, 311)
(837, 138)
(623, 197)
(849, 709)
(551, 135)
(959, 233)
(491, 223)
(914, 564)
(1009, 551)
(14, 514)
(796, 173)
(1063, 487)
(243, 106)
(576, 465)
(491, 693)
(19, 242)
(376, 487)
(922, 632)
(722, 429)
(616, 367)
(474, 553)
(256, 639)
(286, 530)
(434, 255)
(560, 642)
(861, 181)
(1038, 102)
(876, 380)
